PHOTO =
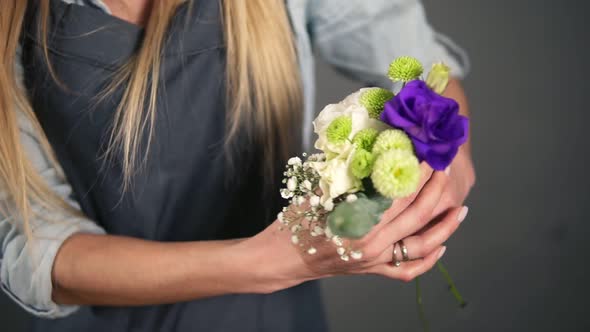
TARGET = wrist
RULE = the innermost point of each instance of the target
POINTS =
(267, 262)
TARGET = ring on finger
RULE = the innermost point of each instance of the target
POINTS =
(394, 261)
(405, 255)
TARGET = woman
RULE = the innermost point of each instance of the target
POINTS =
(170, 121)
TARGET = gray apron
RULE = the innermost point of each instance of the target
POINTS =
(184, 192)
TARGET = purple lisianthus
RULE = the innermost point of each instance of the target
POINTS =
(431, 120)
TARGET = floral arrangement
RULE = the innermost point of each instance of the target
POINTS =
(371, 146)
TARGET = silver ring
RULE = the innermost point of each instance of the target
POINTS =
(405, 255)
(394, 261)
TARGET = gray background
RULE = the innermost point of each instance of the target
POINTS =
(520, 257)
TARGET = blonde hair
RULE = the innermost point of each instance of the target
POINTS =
(263, 86)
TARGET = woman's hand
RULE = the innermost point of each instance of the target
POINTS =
(280, 264)
(461, 180)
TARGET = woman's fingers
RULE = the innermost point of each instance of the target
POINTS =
(414, 217)
(408, 270)
(422, 245)
(399, 205)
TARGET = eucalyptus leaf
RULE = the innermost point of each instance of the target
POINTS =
(355, 219)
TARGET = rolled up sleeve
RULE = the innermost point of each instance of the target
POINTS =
(362, 37)
(26, 264)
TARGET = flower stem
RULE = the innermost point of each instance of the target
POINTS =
(451, 284)
(421, 313)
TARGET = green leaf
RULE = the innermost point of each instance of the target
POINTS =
(355, 219)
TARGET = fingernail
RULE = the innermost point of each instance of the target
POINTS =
(448, 170)
(441, 252)
(463, 214)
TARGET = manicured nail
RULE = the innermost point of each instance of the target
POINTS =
(441, 252)
(448, 170)
(463, 214)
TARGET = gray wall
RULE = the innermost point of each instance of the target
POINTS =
(519, 258)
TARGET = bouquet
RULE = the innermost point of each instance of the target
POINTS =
(371, 145)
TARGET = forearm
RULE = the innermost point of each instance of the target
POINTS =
(113, 270)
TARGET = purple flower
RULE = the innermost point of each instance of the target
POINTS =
(431, 120)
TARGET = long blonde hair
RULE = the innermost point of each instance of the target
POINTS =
(263, 85)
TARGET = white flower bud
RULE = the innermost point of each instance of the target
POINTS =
(307, 184)
(344, 258)
(340, 251)
(286, 194)
(295, 239)
(281, 217)
(299, 200)
(351, 198)
(312, 251)
(328, 232)
(295, 228)
(294, 161)
(292, 184)
(337, 240)
(356, 254)
(318, 230)
(314, 200)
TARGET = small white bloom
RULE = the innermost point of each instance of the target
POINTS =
(356, 254)
(344, 258)
(340, 251)
(292, 184)
(337, 240)
(328, 232)
(294, 161)
(314, 234)
(351, 198)
(314, 200)
(295, 228)
(307, 184)
(299, 200)
(318, 230)
(286, 194)
(312, 251)
(295, 239)
(281, 217)
(329, 205)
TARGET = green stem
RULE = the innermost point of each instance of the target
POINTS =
(451, 284)
(421, 313)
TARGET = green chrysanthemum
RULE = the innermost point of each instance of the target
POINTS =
(374, 101)
(339, 129)
(396, 174)
(405, 69)
(361, 164)
(392, 139)
(365, 138)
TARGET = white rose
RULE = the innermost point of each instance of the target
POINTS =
(336, 178)
(354, 98)
(359, 115)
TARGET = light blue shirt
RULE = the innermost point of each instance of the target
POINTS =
(359, 37)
